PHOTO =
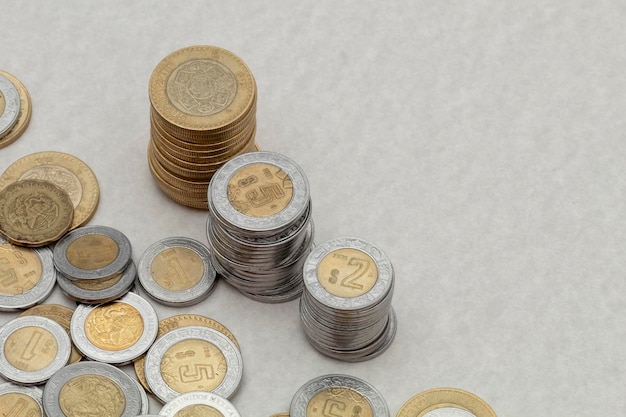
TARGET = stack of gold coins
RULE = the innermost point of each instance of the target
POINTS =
(203, 113)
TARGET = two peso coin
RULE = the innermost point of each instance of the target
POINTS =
(321, 395)
(116, 332)
(445, 402)
(97, 291)
(18, 400)
(34, 349)
(199, 403)
(177, 271)
(91, 388)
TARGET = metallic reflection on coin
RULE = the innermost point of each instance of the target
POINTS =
(97, 291)
(338, 392)
(12, 104)
(199, 403)
(445, 402)
(25, 113)
(17, 400)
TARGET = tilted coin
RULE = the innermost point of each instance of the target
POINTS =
(335, 393)
(20, 401)
(193, 359)
(116, 332)
(446, 402)
(92, 252)
(177, 271)
(34, 349)
(199, 403)
(145, 402)
(60, 314)
(97, 291)
(27, 275)
(34, 212)
(91, 388)
(63, 170)
(11, 108)
(23, 119)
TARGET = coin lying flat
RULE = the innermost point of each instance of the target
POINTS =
(11, 107)
(328, 394)
(17, 400)
(25, 112)
(34, 212)
(445, 402)
(198, 403)
(63, 170)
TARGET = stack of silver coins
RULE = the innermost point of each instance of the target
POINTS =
(346, 307)
(259, 226)
(94, 264)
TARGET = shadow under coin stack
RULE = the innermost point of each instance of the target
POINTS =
(259, 227)
(203, 113)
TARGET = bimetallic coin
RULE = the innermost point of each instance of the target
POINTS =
(177, 271)
(145, 402)
(20, 401)
(97, 291)
(27, 275)
(34, 348)
(343, 395)
(92, 252)
(199, 403)
(445, 402)
(11, 108)
(91, 388)
(25, 112)
(116, 332)
(34, 212)
(193, 359)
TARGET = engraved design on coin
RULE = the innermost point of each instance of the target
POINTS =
(19, 401)
(92, 251)
(199, 404)
(347, 272)
(30, 348)
(339, 402)
(201, 87)
(12, 104)
(114, 326)
(198, 410)
(87, 395)
(20, 269)
(60, 176)
(177, 269)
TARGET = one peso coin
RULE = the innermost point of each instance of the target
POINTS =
(445, 402)
(17, 400)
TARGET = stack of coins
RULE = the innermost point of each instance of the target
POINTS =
(259, 226)
(346, 306)
(15, 108)
(203, 113)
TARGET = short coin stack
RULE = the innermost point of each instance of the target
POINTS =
(259, 227)
(15, 108)
(203, 113)
(346, 305)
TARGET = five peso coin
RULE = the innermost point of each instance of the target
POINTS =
(18, 400)
(445, 402)
(199, 403)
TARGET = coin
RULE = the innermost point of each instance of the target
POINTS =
(193, 358)
(61, 315)
(198, 403)
(34, 349)
(11, 107)
(17, 400)
(445, 402)
(116, 332)
(27, 275)
(340, 395)
(63, 170)
(92, 252)
(91, 388)
(177, 271)
(34, 212)
(145, 402)
(25, 112)
(97, 291)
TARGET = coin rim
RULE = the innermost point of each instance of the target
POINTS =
(10, 113)
(423, 402)
(33, 392)
(100, 296)
(211, 399)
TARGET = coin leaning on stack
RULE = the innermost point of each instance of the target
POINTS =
(203, 113)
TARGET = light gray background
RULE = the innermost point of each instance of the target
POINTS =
(479, 143)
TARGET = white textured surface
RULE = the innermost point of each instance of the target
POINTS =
(481, 144)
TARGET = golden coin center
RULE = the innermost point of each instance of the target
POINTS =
(198, 410)
(59, 176)
(30, 348)
(201, 87)
(20, 269)
(91, 395)
(193, 365)
(339, 402)
(93, 251)
(98, 284)
(114, 326)
(18, 404)
(177, 269)
(347, 272)
(260, 190)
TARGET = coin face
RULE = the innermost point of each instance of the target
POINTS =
(16, 400)
(347, 272)
(24, 114)
(20, 352)
(344, 402)
(177, 269)
(445, 402)
(114, 326)
(93, 251)
(199, 404)
(34, 212)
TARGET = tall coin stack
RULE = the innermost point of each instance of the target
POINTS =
(203, 113)
(345, 307)
(259, 226)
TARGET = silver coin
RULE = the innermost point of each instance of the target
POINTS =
(12, 105)
(337, 383)
(449, 412)
(34, 348)
(73, 289)
(160, 379)
(103, 237)
(29, 407)
(115, 332)
(91, 388)
(145, 402)
(194, 398)
(12, 294)
(177, 255)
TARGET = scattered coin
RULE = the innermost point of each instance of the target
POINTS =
(97, 291)
(445, 402)
(34, 212)
(17, 400)
(11, 105)
(198, 403)
(25, 111)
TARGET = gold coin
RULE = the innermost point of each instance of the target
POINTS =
(34, 212)
(20, 269)
(331, 400)
(114, 326)
(98, 284)
(25, 112)
(91, 395)
(60, 314)
(347, 272)
(64, 170)
(18, 404)
(30, 348)
(280, 415)
(92, 251)
(426, 403)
